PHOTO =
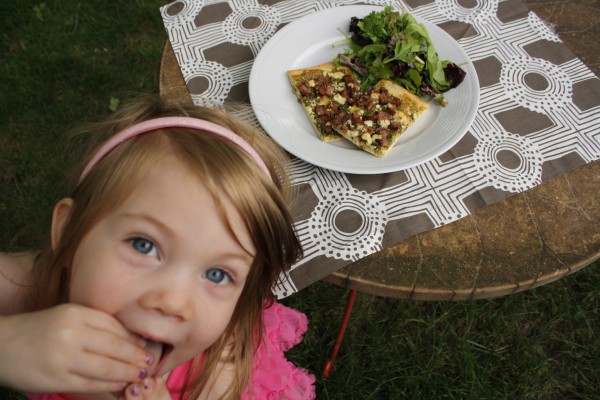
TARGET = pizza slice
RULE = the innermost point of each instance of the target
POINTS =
(321, 90)
(378, 117)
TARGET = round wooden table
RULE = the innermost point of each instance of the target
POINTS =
(527, 240)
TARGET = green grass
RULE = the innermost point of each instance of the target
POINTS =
(540, 344)
(63, 62)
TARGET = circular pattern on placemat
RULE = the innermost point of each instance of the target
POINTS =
(556, 95)
(509, 162)
(481, 12)
(337, 242)
(238, 26)
(208, 82)
(181, 12)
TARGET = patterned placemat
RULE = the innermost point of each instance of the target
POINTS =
(536, 119)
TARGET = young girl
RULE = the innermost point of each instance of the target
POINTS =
(156, 281)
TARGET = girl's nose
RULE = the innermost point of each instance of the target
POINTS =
(171, 298)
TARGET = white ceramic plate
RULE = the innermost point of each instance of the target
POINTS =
(309, 41)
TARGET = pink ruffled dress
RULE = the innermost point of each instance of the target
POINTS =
(273, 376)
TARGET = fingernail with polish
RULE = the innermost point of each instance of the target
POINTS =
(143, 373)
(149, 359)
(147, 384)
(135, 390)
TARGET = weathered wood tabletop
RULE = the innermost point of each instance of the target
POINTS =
(527, 240)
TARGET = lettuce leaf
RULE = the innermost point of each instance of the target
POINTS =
(390, 45)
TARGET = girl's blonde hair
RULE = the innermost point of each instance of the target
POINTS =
(228, 173)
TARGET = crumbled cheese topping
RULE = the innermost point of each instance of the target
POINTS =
(339, 98)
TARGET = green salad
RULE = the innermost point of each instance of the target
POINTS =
(391, 45)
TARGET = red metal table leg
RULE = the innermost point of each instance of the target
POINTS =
(328, 366)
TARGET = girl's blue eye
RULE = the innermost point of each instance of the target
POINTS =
(217, 275)
(144, 246)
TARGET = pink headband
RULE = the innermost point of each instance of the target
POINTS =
(173, 122)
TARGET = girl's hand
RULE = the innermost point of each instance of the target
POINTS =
(69, 348)
(148, 389)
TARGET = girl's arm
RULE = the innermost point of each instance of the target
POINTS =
(14, 288)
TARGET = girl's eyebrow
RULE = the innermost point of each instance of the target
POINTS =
(243, 255)
(150, 219)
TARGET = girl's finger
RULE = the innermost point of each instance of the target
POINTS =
(112, 346)
(107, 370)
(134, 391)
(105, 322)
(79, 383)
(148, 389)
